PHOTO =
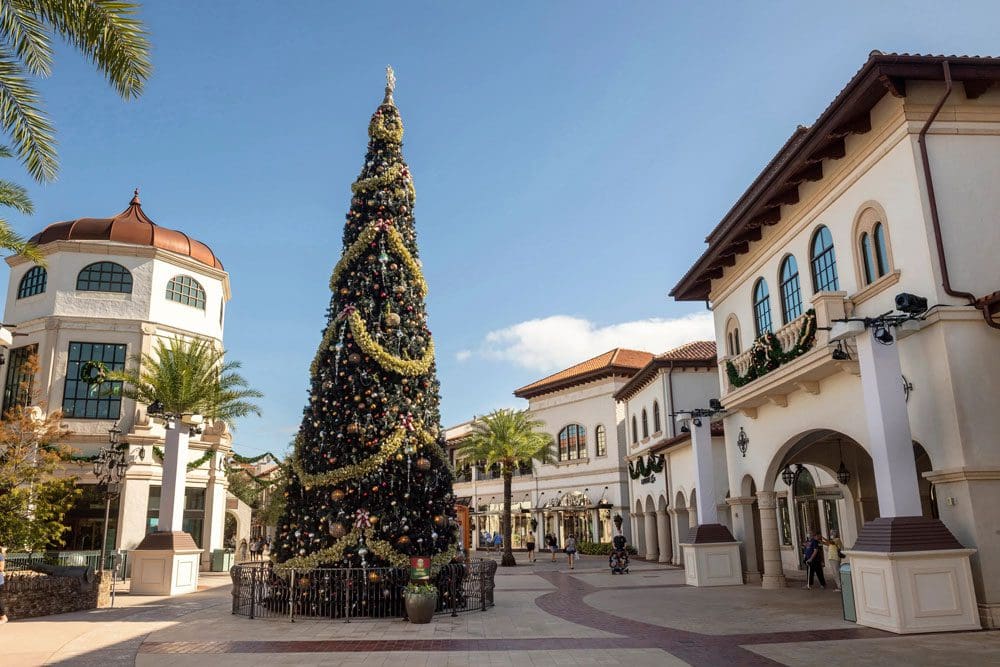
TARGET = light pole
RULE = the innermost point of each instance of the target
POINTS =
(110, 466)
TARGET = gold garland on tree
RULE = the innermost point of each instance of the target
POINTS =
(361, 244)
(390, 446)
(409, 367)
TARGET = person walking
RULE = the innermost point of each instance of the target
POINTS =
(834, 549)
(554, 547)
(498, 541)
(570, 550)
(530, 544)
(814, 561)
(3, 567)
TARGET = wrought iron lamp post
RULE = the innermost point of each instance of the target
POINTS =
(110, 466)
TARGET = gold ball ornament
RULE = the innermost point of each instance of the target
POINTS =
(423, 464)
(440, 519)
(392, 320)
(374, 576)
(403, 540)
(337, 530)
(337, 495)
(353, 427)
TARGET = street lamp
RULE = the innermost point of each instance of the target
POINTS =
(110, 466)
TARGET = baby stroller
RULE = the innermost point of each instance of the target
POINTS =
(618, 560)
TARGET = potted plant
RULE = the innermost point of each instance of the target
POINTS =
(421, 600)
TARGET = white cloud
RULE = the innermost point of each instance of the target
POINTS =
(559, 341)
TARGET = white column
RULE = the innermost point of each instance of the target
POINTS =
(774, 574)
(663, 535)
(889, 438)
(132, 510)
(175, 459)
(701, 442)
(652, 547)
(215, 506)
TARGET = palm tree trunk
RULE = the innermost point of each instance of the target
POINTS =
(508, 555)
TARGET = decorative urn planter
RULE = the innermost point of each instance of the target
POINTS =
(420, 605)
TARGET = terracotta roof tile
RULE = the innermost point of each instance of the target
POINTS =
(698, 354)
(696, 350)
(612, 362)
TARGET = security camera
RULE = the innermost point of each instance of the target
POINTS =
(911, 304)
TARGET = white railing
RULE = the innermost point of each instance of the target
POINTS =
(788, 338)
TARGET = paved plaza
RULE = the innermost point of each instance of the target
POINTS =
(545, 614)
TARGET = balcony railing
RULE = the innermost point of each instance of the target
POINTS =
(796, 357)
(772, 351)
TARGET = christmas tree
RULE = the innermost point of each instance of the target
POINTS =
(370, 483)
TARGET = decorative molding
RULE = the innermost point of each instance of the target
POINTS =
(963, 474)
(809, 387)
(880, 285)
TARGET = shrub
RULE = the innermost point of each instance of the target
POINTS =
(601, 548)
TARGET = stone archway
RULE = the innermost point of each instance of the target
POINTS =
(680, 531)
(693, 509)
(663, 531)
(640, 528)
(652, 540)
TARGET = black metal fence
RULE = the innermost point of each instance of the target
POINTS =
(265, 590)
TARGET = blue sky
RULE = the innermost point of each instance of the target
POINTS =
(569, 159)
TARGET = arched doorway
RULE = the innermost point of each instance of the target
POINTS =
(680, 517)
(640, 528)
(652, 541)
(663, 531)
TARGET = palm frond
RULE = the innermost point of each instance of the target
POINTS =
(16, 197)
(108, 33)
(26, 32)
(21, 116)
(11, 240)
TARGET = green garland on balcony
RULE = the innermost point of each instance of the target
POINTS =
(639, 468)
(766, 353)
(197, 463)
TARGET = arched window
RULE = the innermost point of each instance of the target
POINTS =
(601, 437)
(868, 259)
(791, 294)
(104, 277)
(824, 262)
(881, 254)
(572, 443)
(635, 431)
(733, 345)
(645, 424)
(33, 282)
(656, 417)
(874, 253)
(761, 307)
(186, 290)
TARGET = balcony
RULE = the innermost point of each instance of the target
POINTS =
(796, 358)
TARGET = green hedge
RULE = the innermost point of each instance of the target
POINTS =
(600, 548)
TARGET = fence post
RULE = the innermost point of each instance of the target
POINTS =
(452, 589)
(482, 585)
(347, 596)
(291, 596)
(253, 592)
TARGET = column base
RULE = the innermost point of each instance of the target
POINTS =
(712, 557)
(989, 616)
(165, 563)
(773, 581)
(910, 575)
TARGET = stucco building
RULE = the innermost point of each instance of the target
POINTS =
(876, 426)
(111, 287)
(586, 485)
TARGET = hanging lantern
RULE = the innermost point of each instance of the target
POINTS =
(337, 495)
(353, 427)
(742, 441)
(424, 464)
(374, 577)
(354, 358)
(440, 519)
(788, 476)
(403, 540)
(843, 474)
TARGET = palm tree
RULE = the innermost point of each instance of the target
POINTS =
(106, 32)
(509, 438)
(189, 377)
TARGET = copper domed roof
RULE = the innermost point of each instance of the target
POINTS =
(130, 226)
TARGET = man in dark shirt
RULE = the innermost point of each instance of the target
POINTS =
(814, 561)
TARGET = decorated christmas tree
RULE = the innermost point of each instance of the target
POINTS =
(370, 483)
